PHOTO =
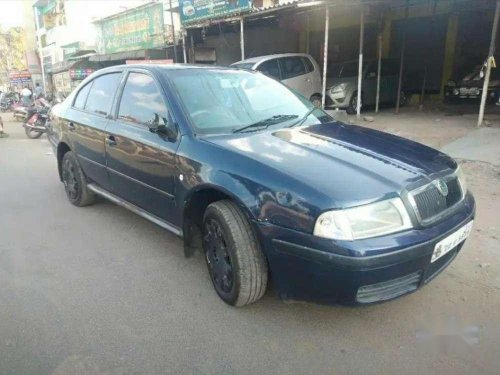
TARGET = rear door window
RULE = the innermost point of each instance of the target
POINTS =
(309, 65)
(292, 67)
(142, 102)
(101, 93)
(81, 97)
(270, 68)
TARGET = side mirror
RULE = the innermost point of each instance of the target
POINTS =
(164, 131)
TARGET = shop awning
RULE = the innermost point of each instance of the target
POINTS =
(129, 55)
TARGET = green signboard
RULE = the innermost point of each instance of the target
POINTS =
(140, 28)
(198, 10)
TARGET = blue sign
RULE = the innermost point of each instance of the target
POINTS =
(198, 10)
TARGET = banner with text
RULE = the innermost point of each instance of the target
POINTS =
(135, 29)
(198, 10)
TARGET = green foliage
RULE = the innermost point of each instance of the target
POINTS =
(12, 50)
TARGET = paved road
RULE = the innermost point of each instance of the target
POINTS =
(100, 290)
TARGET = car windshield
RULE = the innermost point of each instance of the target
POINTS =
(222, 101)
(349, 69)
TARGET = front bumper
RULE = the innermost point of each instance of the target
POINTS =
(305, 267)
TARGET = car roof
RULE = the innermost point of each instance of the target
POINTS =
(268, 57)
(161, 67)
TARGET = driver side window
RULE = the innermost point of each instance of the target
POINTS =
(142, 103)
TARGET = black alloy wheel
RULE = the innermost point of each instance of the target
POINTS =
(218, 258)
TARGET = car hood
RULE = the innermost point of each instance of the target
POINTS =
(350, 165)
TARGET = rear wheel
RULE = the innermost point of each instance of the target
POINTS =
(33, 134)
(74, 181)
(236, 264)
(316, 101)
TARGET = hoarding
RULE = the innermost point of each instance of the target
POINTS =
(80, 73)
(140, 28)
(198, 10)
(20, 77)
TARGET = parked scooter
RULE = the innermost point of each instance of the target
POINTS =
(37, 119)
(8, 100)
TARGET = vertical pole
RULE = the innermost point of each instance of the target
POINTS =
(360, 64)
(379, 66)
(488, 65)
(193, 56)
(401, 61)
(242, 38)
(308, 31)
(173, 29)
(40, 53)
(184, 54)
(325, 55)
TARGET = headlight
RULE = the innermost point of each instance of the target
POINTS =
(366, 221)
(461, 179)
(338, 89)
(456, 92)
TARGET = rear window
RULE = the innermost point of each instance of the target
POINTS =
(270, 68)
(101, 94)
(81, 97)
(292, 67)
(309, 65)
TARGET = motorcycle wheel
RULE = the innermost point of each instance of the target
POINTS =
(33, 134)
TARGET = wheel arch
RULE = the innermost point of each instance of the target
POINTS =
(62, 148)
(195, 204)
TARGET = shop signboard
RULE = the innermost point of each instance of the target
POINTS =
(198, 10)
(80, 73)
(140, 28)
(22, 77)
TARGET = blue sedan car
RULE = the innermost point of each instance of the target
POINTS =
(267, 186)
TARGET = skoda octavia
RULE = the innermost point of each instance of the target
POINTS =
(266, 185)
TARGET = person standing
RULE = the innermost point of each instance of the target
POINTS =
(38, 91)
(26, 96)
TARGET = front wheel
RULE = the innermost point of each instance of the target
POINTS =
(236, 264)
(352, 109)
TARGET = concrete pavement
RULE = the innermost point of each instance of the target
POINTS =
(99, 290)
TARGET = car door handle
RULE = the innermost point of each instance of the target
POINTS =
(110, 140)
(71, 127)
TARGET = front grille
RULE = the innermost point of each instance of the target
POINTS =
(388, 289)
(430, 202)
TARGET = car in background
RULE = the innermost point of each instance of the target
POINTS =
(298, 71)
(342, 84)
(470, 87)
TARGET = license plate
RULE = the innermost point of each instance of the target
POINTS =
(450, 242)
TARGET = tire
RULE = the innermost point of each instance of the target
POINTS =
(236, 264)
(352, 109)
(74, 181)
(33, 134)
(316, 101)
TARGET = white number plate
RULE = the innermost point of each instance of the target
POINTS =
(447, 244)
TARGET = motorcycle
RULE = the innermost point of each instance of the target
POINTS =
(8, 100)
(37, 119)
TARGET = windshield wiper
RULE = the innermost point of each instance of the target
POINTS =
(263, 124)
(303, 118)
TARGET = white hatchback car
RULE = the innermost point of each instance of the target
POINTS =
(298, 71)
